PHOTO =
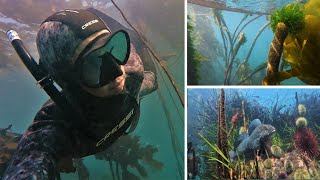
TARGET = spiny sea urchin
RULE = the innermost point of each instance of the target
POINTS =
(306, 142)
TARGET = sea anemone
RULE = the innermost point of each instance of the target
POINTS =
(302, 110)
(306, 142)
(301, 122)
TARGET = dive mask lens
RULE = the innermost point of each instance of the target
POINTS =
(102, 65)
(119, 47)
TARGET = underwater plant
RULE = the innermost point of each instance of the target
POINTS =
(289, 19)
(222, 136)
(306, 142)
(234, 121)
(235, 70)
(300, 48)
(128, 152)
(193, 57)
(208, 108)
(291, 15)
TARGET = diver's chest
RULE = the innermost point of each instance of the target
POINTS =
(111, 116)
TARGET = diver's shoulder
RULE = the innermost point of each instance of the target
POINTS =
(49, 110)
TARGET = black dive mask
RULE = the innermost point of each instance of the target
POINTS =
(102, 65)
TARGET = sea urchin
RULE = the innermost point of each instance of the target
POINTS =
(306, 142)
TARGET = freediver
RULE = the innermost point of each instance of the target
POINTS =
(102, 77)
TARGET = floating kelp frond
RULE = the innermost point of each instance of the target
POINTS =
(301, 50)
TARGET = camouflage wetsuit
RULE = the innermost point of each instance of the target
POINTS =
(52, 140)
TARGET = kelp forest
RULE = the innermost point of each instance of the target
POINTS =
(228, 46)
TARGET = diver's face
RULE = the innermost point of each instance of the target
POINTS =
(113, 88)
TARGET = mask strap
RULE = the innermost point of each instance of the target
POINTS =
(82, 22)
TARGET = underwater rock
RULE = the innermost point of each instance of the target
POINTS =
(301, 173)
(276, 151)
(253, 125)
(289, 167)
(268, 173)
(267, 163)
(301, 122)
(282, 175)
(313, 172)
(257, 139)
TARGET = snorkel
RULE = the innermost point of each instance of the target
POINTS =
(42, 78)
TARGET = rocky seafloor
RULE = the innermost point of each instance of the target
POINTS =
(292, 165)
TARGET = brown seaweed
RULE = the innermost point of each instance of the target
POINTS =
(222, 138)
(128, 151)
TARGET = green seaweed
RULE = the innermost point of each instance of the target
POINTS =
(194, 57)
(216, 149)
(291, 15)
